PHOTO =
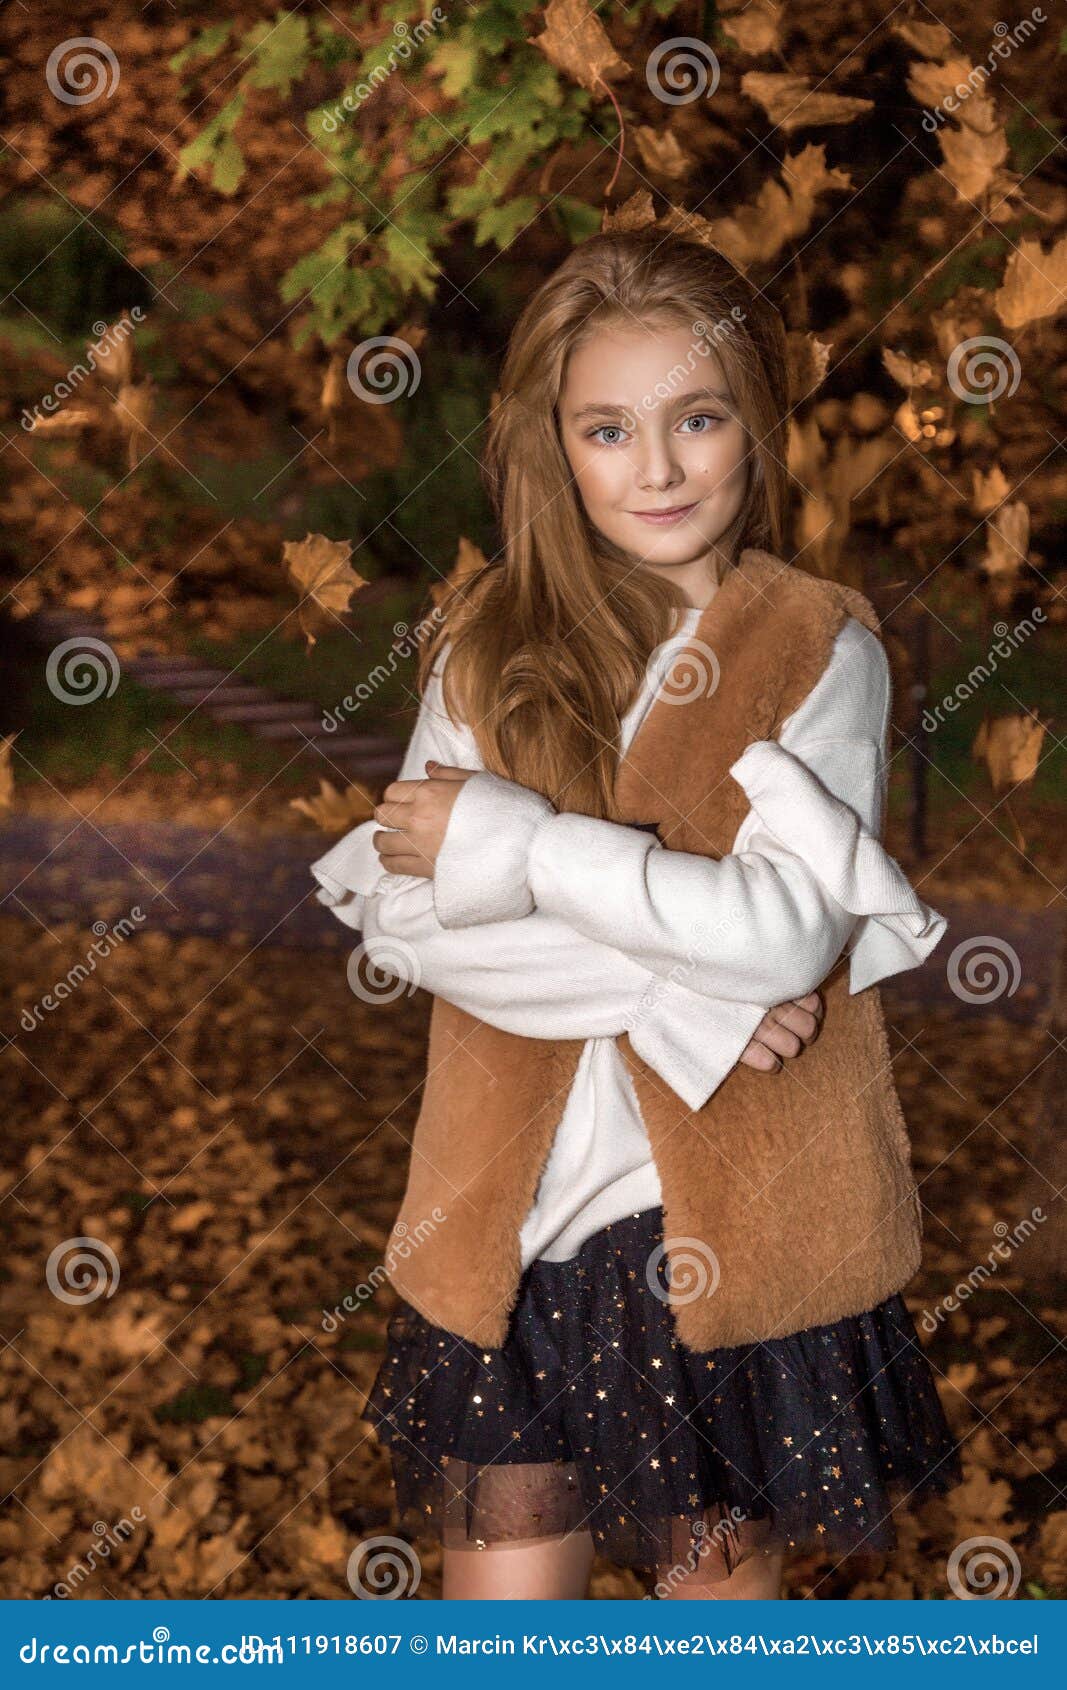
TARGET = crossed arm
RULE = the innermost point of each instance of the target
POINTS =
(485, 896)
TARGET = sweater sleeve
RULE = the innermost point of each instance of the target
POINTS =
(770, 920)
(537, 977)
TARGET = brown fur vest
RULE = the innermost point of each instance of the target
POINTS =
(797, 1186)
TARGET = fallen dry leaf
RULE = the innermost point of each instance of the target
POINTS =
(333, 811)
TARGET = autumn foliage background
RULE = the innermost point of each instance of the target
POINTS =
(228, 1116)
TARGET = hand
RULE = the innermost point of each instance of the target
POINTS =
(785, 1031)
(419, 810)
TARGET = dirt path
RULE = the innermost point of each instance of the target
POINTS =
(191, 880)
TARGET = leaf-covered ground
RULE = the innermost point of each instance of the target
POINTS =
(235, 1129)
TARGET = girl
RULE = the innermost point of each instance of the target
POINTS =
(650, 1276)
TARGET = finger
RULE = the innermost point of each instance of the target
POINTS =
(778, 1039)
(411, 865)
(446, 771)
(401, 791)
(394, 812)
(757, 1056)
(799, 1021)
(402, 857)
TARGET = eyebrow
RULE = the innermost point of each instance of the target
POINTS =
(606, 407)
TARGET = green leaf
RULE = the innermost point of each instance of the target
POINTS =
(458, 59)
(501, 223)
(281, 52)
(203, 46)
(216, 148)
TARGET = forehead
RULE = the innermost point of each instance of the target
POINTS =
(640, 369)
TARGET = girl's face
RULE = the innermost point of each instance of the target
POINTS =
(648, 424)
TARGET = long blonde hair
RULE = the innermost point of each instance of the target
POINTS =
(550, 640)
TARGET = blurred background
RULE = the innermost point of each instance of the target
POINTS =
(258, 266)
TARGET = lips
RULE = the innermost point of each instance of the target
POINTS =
(671, 510)
(675, 514)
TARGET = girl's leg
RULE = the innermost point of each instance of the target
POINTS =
(757, 1578)
(527, 1569)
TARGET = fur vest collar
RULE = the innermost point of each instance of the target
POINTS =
(788, 1198)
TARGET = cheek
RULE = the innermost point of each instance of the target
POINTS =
(601, 478)
(718, 461)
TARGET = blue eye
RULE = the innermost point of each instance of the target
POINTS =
(616, 428)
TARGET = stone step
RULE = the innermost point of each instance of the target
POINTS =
(220, 695)
(272, 710)
(166, 680)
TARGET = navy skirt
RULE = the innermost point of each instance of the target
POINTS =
(593, 1417)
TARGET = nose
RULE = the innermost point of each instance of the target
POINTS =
(656, 466)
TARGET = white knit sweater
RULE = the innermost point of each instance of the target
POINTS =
(561, 926)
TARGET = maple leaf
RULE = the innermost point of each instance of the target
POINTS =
(973, 160)
(755, 29)
(637, 212)
(322, 571)
(809, 360)
(333, 811)
(989, 490)
(907, 371)
(1007, 539)
(932, 40)
(576, 42)
(782, 211)
(1034, 285)
(1010, 747)
(790, 102)
(661, 153)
